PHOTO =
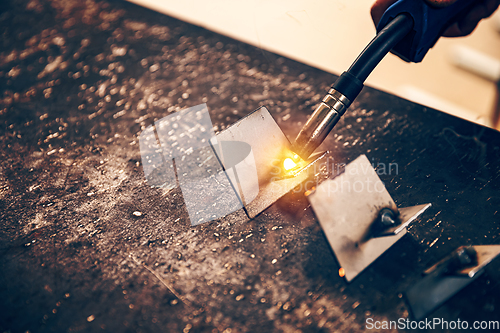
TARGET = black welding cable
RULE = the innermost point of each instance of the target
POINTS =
(350, 82)
(347, 87)
(382, 44)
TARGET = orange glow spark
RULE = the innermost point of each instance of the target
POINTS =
(289, 164)
(309, 192)
(341, 272)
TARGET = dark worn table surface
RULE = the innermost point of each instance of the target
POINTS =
(80, 80)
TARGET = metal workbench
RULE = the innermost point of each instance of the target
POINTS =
(79, 81)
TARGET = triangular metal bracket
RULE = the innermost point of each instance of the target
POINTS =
(348, 207)
(446, 278)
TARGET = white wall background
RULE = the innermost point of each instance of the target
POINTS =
(329, 34)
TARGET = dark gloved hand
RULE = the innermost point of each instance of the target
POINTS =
(462, 27)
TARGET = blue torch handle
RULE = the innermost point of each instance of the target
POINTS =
(429, 24)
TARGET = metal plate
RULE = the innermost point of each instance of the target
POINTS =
(251, 151)
(436, 288)
(346, 207)
(241, 167)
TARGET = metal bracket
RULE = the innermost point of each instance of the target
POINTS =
(406, 216)
(448, 277)
(359, 217)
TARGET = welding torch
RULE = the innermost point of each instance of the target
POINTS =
(408, 28)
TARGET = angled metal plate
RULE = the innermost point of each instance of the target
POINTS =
(346, 207)
(257, 174)
(432, 291)
(438, 286)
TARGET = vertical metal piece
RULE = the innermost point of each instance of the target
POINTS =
(406, 216)
(258, 176)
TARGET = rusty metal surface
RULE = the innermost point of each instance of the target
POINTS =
(87, 245)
